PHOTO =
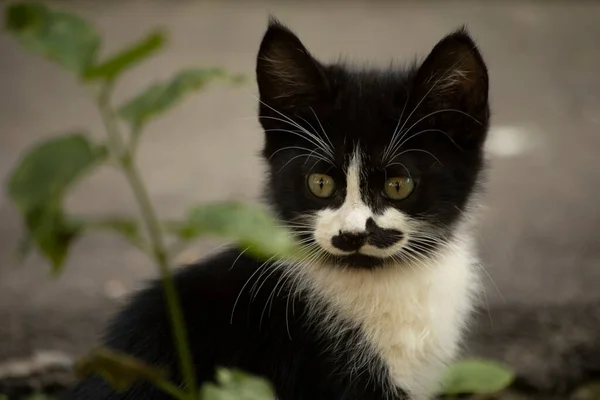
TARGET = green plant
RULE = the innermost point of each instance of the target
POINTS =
(475, 376)
(38, 185)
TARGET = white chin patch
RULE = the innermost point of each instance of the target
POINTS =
(352, 217)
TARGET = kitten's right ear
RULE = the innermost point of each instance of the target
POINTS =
(454, 78)
(286, 73)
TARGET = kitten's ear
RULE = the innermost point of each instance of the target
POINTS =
(454, 76)
(286, 73)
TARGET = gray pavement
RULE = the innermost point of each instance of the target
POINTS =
(539, 239)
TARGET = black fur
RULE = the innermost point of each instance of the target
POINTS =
(269, 332)
(264, 336)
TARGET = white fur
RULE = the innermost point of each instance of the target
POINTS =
(350, 217)
(413, 314)
(412, 317)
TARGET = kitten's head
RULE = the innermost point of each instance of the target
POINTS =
(371, 167)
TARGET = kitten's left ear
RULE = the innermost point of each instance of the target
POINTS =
(454, 76)
(286, 73)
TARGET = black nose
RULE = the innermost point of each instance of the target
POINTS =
(347, 241)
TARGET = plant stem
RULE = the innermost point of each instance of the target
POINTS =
(173, 390)
(125, 158)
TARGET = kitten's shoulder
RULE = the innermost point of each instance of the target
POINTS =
(207, 291)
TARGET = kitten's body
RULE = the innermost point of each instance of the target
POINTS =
(376, 309)
(410, 326)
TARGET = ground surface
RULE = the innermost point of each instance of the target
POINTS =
(539, 239)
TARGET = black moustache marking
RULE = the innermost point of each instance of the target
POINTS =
(349, 241)
(380, 237)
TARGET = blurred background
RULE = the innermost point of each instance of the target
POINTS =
(540, 239)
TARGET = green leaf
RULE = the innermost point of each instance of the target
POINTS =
(127, 58)
(53, 232)
(61, 37)
(126, 227)
(49, 168)
(37, 187)
(164, 95)
(251, 226)
(236, 385)
(121, 371)
(476, 376)
(182, 230)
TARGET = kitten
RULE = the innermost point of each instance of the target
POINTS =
(376, 172)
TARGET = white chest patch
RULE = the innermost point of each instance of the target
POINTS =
(413, 318)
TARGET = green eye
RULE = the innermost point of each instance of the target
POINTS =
(321, 185)
(398, 188)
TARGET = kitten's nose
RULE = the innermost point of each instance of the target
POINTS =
(349, 241)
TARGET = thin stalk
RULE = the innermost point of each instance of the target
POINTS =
(171, 389)
(125, 158)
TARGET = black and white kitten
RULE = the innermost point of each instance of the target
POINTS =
(376, 172)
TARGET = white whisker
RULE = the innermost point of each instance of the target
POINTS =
(396, 130)
(418, 151)
(243, 287)
(322, 129)
(301, 155)
(304, 134)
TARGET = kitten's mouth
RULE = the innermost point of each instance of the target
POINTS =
(359, 261)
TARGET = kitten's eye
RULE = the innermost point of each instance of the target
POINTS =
(321, 185)
(398, 188)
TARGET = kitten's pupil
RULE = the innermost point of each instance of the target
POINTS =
(396, 184)
(398, 188)
(321, 185)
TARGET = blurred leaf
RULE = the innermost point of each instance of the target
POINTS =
(251, 226)
(38, 184)
(120, 370)
(180, 229)
(162, 96)
(476, 376)
(127, 58)
(61, 37)
(126, 227)
(50, 167)
(236, 385)
(52, 232)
